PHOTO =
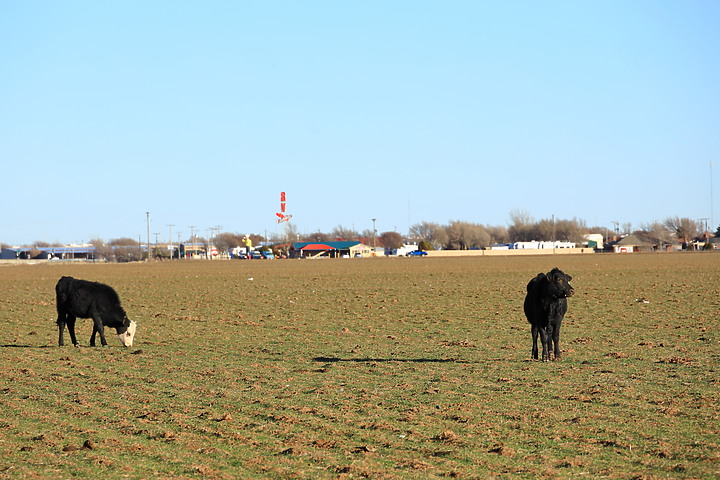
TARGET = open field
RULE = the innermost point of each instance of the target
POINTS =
(378, 368)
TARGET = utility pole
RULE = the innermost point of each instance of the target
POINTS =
(148, 234)
(702, 221)
(170, 246)
(179, 234)
(712, 211)
(192, 238)
(374, 236)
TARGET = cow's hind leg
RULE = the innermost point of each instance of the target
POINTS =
(534, 331)
(98, 329)
(61, 329)
(71, 329)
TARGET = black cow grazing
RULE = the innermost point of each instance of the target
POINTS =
(84, 299)
(545, 307)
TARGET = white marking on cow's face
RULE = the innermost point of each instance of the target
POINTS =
(127, 338)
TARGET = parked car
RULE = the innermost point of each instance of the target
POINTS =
(255, 255)
(268, 254)
(416, 253)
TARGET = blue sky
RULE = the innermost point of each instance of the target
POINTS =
(203, 112)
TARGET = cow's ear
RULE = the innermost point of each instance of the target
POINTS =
(569, 278)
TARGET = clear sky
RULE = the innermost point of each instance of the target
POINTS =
(201, 113)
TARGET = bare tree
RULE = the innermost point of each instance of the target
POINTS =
(456, 236)
(342, 233)
(423, 230)
(522, 228)
(367, 237)
(255, 239)
(465, 235)
(545, 229)
(102, 251)
(429, 232)
(479, 237)
(291, 232)
(570, 230)
(498, 234)
(289, 235)
(656, 233)
(390, 240)
(226, 241)
(318, 236)
(117, 250)
(124, 242)
(520, 217)
(685, 229)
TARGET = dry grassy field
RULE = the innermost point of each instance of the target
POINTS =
(378, 368)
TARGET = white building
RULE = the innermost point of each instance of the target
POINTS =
(403, 251)
(594, 240)
(540, 245)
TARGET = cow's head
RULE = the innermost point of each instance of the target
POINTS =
(127, 333)
(560, 283)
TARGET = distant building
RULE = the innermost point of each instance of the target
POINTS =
(594, 240)
(714, 242)
(402, 251)
(632, 243)
(9, 254)
(540, 245)
(70, 252)
(346, 249)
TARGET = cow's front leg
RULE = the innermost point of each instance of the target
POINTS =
(550, 337)
(534, 331)
(92, 337)
(98, 329)
(556, 343)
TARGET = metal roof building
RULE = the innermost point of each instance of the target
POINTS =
(330, 249)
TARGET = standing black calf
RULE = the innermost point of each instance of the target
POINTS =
(545, 307)
(84, 299)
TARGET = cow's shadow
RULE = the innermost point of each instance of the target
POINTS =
(388, 360)
(18, 345)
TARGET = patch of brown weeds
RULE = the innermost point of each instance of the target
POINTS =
(502, 450)
(448, 436)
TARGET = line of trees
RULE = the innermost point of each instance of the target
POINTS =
(462, 235)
